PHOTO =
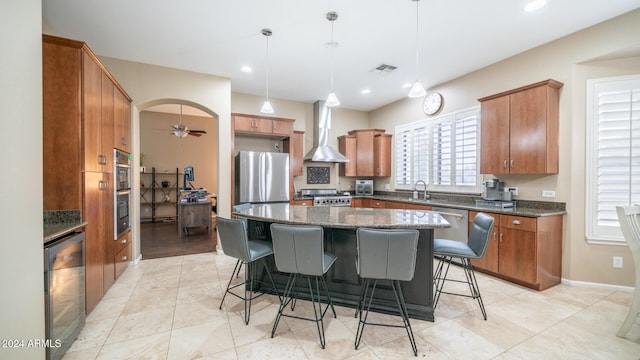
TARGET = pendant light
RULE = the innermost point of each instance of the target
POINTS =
(417, 90)
(332, 99)
(266, 107)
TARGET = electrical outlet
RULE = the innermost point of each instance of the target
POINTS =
(617, 262)
(387, 186)
(548, 193)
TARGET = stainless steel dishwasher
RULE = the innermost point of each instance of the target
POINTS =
(459, 220)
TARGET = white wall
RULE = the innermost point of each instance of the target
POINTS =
(21, 249)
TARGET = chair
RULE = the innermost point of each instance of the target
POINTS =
(629, 217)
(299, 250)
(242, 207)
(448, 250)
(235, 243)
(385, 255)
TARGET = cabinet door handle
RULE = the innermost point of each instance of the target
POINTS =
(494, 237)
(500, 237)
(505, 164)
(124, 241)
(512, 164)
(124, 141)
(516, 222)
(102, 185)
(124, 258)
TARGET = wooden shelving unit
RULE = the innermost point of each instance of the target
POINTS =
(153, 194)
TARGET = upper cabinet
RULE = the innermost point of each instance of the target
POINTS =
(250, 124)
(122, 122)
(519, 130)
(368, 151)
(294, 145)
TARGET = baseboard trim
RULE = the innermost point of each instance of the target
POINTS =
(600, 286)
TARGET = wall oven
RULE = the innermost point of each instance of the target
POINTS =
(122, 175)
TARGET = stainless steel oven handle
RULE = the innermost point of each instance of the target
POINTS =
(457, 216)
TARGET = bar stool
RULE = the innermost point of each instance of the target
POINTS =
(235, 243)
(299, 250)
(385, 254)
(629, 217)
(447, 250)
(241, 207)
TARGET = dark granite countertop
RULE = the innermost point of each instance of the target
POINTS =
(58, 223)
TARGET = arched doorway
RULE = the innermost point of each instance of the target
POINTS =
(163, 156)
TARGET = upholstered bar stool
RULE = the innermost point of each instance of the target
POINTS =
(242, 207)
(629, 217)
(299, 250)
(235, 243)
(385, 255)
(448, 250)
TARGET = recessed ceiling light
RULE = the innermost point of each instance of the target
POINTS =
(534, 5)
(365, 91)
(246, 69)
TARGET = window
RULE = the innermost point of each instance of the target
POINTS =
(613, 154)
(443, 152)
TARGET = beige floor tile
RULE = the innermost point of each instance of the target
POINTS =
(94, 334)
(578, 296)
(108, 308)
(195, 341)
(223, 355)
(208, 291)
(283, 346)
(147, 284)
(339, 341)
(151, 321)
(499, 330)
(458, 342)
(259, 328)
(82, 354)
(150, 347)
(197, 312)
(142, 301)
(198, 277)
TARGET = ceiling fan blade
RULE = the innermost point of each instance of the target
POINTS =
(198, 131)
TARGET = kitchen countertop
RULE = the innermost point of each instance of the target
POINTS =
(526, 208)
(58, 223)
(344, 217)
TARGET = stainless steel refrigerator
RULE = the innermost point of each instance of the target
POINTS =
(261, 177)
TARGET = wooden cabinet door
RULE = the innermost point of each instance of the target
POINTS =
(282, 127)
(528, 131)
(382, 155)
(302, 202)
(264, 126)
(494, 136)
(517, 254)
(94, 159)
(294, 145)
(122, 259)
(361, 202)
(107, 121)
(347, 146)
(243, 123)
(410, 206)
(377, 203)
(394, 205)
(98, 212)
(122, 122)
(364, 152)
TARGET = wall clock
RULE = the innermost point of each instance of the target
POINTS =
(432, 103)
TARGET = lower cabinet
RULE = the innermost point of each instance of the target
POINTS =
(361, 202)
(305, 202)
(525, 250)
(122, 259)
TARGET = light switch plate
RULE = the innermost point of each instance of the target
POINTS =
(617, 262)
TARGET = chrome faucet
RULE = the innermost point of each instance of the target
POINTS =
(426, 194)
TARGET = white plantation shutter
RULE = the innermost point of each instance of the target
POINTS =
(443, 152)
(613, 153)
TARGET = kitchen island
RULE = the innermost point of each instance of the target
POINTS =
(340, 224)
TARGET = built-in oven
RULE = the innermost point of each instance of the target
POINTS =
(122, 196)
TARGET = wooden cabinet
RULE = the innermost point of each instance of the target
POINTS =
(194, 214)
(122, 259)
(524, 250)
(381, 204)
(347, 146)
(305, 202)
(382, 155)
(368, 151)
(250, 124)
(294, 145)
(411, 206)
(80, 107)
(519, 130)
(122, 122)
(361, 202)
(394, 205)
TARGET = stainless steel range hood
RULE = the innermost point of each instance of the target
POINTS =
(322, 151)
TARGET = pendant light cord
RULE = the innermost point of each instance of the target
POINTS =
(267, 57)
(417, 42)
(332, 48)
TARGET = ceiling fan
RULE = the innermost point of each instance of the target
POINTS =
(180, 130)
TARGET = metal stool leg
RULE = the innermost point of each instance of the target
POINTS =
(238, 264)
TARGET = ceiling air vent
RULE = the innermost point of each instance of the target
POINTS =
(383, 69)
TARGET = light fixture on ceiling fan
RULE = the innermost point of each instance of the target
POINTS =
(181, 131)
(417, 90)
(332, 99)
(267, 108)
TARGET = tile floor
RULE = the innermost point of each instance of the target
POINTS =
(167, 308)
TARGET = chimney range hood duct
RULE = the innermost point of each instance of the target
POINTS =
(322, 151)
